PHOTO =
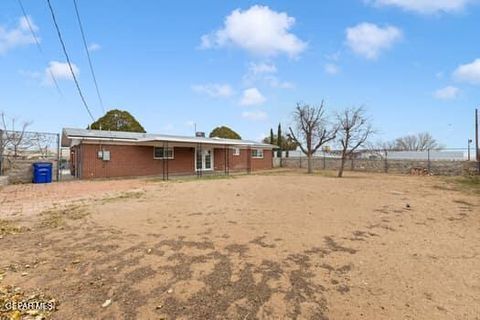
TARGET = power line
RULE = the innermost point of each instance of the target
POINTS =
(88, 55)
(68, 60)
(35, 38)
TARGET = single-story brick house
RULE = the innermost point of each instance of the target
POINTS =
(105, 154)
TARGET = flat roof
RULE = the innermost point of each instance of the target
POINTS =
(69, 134)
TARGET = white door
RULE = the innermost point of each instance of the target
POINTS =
(204, 159)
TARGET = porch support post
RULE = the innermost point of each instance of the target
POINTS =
(167, 157)
(197, 150)
(163, 162)
(228, 161)
(249, 160)
(225, 158)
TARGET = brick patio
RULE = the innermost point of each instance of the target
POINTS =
(30, 199)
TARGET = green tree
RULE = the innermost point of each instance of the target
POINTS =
(272, 137)
(279, 141)
(288, 144)
(224, 132)
(118, 120)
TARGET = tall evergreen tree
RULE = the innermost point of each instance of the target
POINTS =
(279, 141)
(272, 138)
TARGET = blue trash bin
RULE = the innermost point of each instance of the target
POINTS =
(42, 172)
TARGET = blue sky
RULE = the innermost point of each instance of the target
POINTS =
(245, 64)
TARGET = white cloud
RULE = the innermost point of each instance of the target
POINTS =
(333, 56)
(94, 47)
(262, 68)
(18, 36)
(469, 72)
(252, 97)
(369, 40)
(447, 93)
(254, 115)
(332, 69)
(258, 30)
(274, 82)
(265, 73)
(214, 90)
(60, 70)
(424, 6)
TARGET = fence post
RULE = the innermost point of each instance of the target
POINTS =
(386, 161)
(428, 159)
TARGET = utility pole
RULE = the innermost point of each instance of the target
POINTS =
(477, 150)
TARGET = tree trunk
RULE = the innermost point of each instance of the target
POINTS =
(310, 164)
(342, 165)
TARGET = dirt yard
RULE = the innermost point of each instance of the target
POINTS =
(283, 245)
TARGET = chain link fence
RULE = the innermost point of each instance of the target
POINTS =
(447, 161)
(19, 150)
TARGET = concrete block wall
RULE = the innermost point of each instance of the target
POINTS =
(21, 171)
(437, 167)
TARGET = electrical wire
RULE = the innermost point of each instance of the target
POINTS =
(37, 42)
(68, 60)
(88, 55)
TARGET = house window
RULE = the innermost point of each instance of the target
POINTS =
(162, 153)
(257, 153)
(236, 151)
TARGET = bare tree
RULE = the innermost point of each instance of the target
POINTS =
(353, 129)
(311, 130)
(419, 142)
(11, 138)
(43, 144)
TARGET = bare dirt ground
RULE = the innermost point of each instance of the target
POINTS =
(283, 245)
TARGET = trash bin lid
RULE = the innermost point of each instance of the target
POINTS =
(42, 164)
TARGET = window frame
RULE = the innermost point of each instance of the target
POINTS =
(163, 157)
(236, 152)
(257, 156)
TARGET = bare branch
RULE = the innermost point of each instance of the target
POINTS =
(311, 129)
(354, 129)
(419, 142)
(296, 140)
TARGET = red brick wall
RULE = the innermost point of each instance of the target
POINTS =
(132, 161)
(138, 161)
(243, 161)
(264, 163)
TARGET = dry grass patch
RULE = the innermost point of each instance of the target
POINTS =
(466, 184)
(127, 195)
(9, 227)
(55, 218)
